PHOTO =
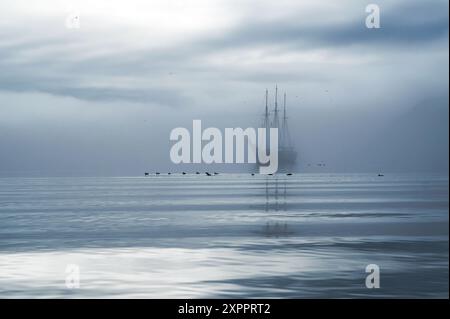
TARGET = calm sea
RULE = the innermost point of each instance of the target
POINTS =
(195, 236)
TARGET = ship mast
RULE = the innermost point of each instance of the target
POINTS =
(266, 113)
(276, 123)
(285, 138)
(266, 123)
(283, 126)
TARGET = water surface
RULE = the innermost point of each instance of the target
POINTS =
(230, 235)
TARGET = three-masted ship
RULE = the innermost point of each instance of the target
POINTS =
(287, 156)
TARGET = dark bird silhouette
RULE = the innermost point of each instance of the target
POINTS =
(146, 174)
(197, 173)
(215, 173)
(289, 174)
(208, 174)
(184, 173)
(253, 174)
(169, 173)
(380, 175)
(157, 173)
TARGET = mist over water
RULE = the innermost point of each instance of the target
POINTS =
(230, 235)
(101, 100)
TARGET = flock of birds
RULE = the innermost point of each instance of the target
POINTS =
(215, 173)
(206, 173)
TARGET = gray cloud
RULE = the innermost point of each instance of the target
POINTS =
(401, 28)
(62, 67)
(146, 79)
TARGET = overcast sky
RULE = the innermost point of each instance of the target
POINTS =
(102, 99)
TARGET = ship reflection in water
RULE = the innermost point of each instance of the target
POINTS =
(227, 235)
(275, 201)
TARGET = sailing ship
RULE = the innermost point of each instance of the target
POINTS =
(287, 156)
